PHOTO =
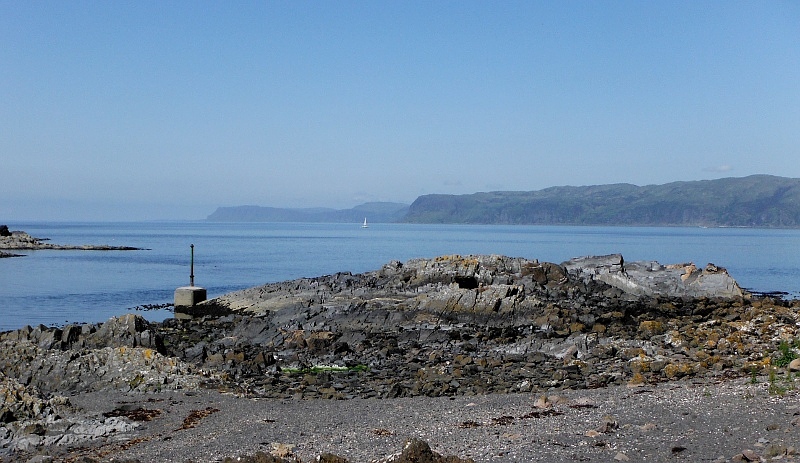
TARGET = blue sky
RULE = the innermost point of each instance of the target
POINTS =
(135, 110)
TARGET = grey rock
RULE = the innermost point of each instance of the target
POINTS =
(651, 279)
(22, 241)
(129, 330)
(428, 327)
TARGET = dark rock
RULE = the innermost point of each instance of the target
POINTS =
(128, 330)
(414, 329)
(21, 240)
(418, 451)
(330, 458)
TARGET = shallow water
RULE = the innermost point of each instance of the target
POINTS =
(59, 287)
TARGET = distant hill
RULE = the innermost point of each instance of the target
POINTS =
(754, 201)
(374, 212)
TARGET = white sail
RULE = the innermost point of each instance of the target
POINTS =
(365, 223)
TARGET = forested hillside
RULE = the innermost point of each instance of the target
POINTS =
(754, 201)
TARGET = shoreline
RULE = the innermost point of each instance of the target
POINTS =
(689, 419)
(21, 241)
(485, 357)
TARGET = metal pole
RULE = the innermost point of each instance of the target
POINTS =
(191, 274)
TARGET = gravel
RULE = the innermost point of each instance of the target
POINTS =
(679, 420)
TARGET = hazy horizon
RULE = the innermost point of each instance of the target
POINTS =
(167, 111)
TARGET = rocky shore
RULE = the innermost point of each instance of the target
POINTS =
(9, 254)
(547, 342)
(21, 241)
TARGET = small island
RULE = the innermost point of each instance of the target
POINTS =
(21, 241)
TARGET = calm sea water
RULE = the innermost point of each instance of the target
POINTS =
(59, 287)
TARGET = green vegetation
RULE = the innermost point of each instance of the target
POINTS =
(786, 353)
(753, 376)
(754, 201)
(775, 387)
(778, 388)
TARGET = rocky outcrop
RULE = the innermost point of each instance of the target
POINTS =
(121, 354)
(651, 279)
(451, 325)
(457, 325)
(40, 366)
(18, 240)
(31, 420)
(482, 285)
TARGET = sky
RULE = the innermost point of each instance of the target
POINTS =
(153, 110)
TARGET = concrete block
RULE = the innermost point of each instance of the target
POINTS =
(189, 296)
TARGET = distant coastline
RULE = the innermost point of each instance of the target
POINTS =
(761, 201)
(21, 241)
(376, 212)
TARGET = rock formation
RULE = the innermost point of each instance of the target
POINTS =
(651, 279)
(451, 325)
(18, 240)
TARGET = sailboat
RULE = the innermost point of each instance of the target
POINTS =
(365, 223)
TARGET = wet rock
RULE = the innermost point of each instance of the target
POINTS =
(9, 254)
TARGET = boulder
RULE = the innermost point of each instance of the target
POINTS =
(418, 451)
(128, 330)
(651, 279)
(794, 365)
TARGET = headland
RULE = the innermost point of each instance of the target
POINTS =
(21, 241)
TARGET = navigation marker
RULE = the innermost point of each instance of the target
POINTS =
(189, 296)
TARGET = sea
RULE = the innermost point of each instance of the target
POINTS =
(56, 288)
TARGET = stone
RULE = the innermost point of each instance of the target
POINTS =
(418, 451)
(189, 296)
(429, 327)
(794, 365)
(282, 450)
(643, 278)
(331, 458)
(607, 425)
(651, 328)
(41, 459)
(774, 450)
(750, 455)
(650, 426)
